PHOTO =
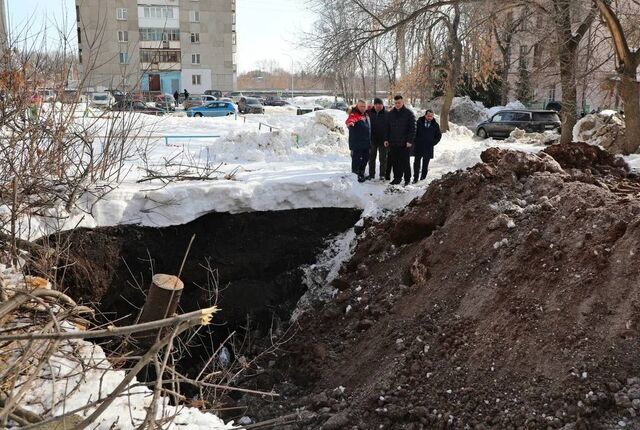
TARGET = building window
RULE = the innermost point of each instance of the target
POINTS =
(233, 38)
(524, 49)
(195, 58)
(195, 37)
(122, 13)
(123, 36)
(159, 34)
(537, 55)
(78, 13)
(124, 58)
(80, 55)
(196, 80)
(194, 16)
(79, 35)
(162, 12)
(552, 93)
(159, 56)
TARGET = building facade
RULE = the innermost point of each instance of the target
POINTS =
(4, 44)
(533, 46)
(157, 46)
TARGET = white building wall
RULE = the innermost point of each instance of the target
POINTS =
(205, 79)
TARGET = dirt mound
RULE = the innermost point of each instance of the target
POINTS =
(506, 297)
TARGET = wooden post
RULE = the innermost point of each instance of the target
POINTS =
(162, 302)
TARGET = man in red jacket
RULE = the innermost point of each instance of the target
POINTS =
(359, 138)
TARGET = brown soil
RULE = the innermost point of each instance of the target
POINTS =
(506, 297)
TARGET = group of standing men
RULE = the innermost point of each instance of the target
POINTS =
(391, 135)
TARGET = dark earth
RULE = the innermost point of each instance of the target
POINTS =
(507, 297)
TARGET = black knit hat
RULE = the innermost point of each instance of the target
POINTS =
(377, 101)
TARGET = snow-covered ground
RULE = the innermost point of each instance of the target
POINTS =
(274, 161)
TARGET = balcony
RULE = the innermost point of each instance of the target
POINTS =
(160, 44)
(153, 67)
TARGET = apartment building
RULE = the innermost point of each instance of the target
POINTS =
(157, 46)
(533, 44)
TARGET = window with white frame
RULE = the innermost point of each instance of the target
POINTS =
(195, 37)
(194, 16)
(196, 79)
(165, 12)
(123, 36)
(121, 14)
(124, 58)
(195, 58)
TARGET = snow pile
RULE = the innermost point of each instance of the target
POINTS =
(323, 135)
(515, 105)
(469, 113)
(79, 373)
(521, 136)
(606, 129)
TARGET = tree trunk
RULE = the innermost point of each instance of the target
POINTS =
(568, 59)
(631, 99)
(162, 302)
(504, 75)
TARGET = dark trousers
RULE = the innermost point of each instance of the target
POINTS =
(378, 148)
(359, 160)
(387, 172)
(401, 156)
(420, 172)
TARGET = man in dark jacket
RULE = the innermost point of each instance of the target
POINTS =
(378, 118)
(186, 94)
(176, 98)
(427, 136)
(401, 132)
(359, 138)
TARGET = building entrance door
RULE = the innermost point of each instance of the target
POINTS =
(175, 85)
(154, 82)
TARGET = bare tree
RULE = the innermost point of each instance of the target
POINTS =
(628, 62)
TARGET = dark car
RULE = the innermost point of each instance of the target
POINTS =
(136, 106)
(556, 106)
(165, 102)
(250, 105)
(339, 106)
(504, 122)
(216, 93)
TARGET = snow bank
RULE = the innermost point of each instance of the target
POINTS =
(469, 113)
(79, 373)
(511, 105)
(605, 129)
(522, 137)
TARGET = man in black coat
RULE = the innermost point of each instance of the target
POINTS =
(378, 119)
(427, 136)
(401, 132)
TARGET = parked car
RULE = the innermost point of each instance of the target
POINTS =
(197, 100)
(504, 122)
(302, 110)
(235, 96)
(215, 93)
(136, 106)
(556, 106)
(119, 95)
(166, 102)
(339, 106)
(212, 109)
(48, 94)
(250, 105)
(102, 99)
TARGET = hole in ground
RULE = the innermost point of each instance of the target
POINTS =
(258, 258)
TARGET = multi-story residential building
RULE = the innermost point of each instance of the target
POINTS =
(533, 45)
(157, 46)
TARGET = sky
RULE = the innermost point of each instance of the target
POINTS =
(266, 29)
